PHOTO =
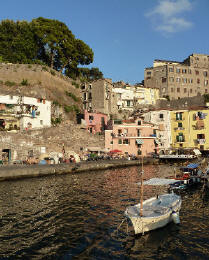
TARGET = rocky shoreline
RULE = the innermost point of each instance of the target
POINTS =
(13, 172)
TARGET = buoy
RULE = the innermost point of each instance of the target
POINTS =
(175, 217)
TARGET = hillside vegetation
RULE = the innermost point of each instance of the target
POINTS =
(40, 82)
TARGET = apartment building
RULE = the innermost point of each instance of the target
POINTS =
(161, 118)
(18, 112)
(99, 97)
(190, 128)
(133, 137)
(176, 79)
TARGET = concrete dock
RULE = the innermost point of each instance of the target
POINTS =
(13, 172)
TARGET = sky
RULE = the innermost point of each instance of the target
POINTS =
(126, 36)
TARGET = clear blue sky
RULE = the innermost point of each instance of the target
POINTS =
(125, 35)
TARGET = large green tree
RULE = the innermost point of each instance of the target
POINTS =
(43, 40)
(17, 44)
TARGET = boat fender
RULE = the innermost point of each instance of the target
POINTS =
(175, 217)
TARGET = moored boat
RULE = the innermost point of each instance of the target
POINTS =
(157, 212)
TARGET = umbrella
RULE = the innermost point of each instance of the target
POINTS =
(116, 151)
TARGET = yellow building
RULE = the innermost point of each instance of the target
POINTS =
(190, 128)
(147, 96)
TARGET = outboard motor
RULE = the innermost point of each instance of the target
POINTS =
(175, 217)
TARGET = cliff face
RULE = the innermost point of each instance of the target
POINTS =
(37, 81)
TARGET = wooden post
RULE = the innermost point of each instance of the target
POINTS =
(142, 190)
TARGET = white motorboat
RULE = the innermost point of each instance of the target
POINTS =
(157, 212)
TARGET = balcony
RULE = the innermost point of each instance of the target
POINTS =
(179, 128)
(201, 141)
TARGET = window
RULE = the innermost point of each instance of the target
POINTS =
(178, 70)
(41, 122)
(171, 69)
(163, 80)
(90, 86)
(189, 71)
(163, 90)
(190, 90)
(171, 79)
(205, 73)
(125, 141)
(197, 72)
(179, 116)
(128, 103)
(184, 80)
(206, 91)
(198, 81)
(190, 81)
(179, 124)
(178, 80)
(180, 137)
(185, 90)
(172, 90)
(119, 141)
(11, 97)
(139, 122)
(184, 71)
(138, 132)
(161, 116)
(178, 90)
(119, 132)
(91, 118)
(206, 82)
(149, 72)
(90, 95)
(84, 96)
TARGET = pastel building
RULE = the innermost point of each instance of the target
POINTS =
(125, 98)
(95, 122)
(190, 128)
(134, 137)
(18, 112)
(161, 118)
(146, 96)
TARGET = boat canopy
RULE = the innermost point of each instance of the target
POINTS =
(160, 181)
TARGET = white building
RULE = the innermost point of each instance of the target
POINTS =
(161, 118)
(32, 112)
(125, 98)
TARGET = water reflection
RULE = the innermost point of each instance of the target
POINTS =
(76, 217)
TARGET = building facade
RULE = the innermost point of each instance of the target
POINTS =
(176, 80)
(99, 97)
(19, 112)
(161, 118)
(95, 122)
(190, 128)
(133, 137)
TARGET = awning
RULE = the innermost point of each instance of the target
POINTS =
(139, 141)
(192, 165)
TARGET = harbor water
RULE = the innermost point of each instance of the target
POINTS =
(76, 216)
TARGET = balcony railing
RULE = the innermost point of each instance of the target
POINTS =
(179, 128)
(201, 141)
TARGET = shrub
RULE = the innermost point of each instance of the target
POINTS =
(56, 121)
(24, 82)
(10, 83)
(52, 72)
(44, 68)
(72, 108)
(75, 84)
(29, 66)
(76, 99)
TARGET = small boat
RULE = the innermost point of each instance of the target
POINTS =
(157, 212)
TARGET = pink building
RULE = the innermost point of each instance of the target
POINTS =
(95, 122)
(133, 137)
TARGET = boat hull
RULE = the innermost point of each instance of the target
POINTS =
(159, 219)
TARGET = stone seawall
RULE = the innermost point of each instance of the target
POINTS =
(14, 172)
